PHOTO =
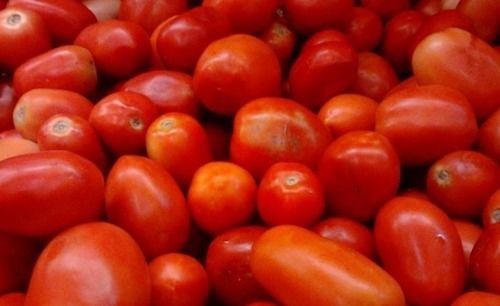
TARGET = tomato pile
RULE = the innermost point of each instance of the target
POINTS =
(249, 153)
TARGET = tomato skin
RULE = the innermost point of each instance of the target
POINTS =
(142, 198)
(228, 266)
(484, 260)
(37, 105)
(365, 29)
(178, 280)
(120, 48)
(12, 299)
(462, 181)
(322, 71)
(7, 103)
(116, 275)
(288, 132)
(489, 136)
(324, 36)
(426, 122)
(45, 192)
(484, 16)
(469, 234)
(342, 276)
(234, 70)
(385, 8)
(474, 71)
(360, 171)
(23, 34)
(491, 211)
(477, 298)
(12, 146)
(67, 67)
(103, 9)
(411, 236)
(282, 40)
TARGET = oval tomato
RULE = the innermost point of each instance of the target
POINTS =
(477, 298)
(469, 234)
(484, 16)
(13, 146)
(484, 260)
(365, 29)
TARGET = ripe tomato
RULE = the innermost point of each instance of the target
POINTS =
(12, 146)
(7, 102)
(484, 260)
(270, 130)
(12, 299)
(285, 255)
(491, 211)
(178, 280)
(43, 193)
(142, 198)
(117, 273)
(469, 234)
(477, 298)
(228, 267)
(23, 34)
(283, 41)
(365, 29)
(484, 16)
(426, 122)
(489, 136)
(462, 181)
(324, 36)
(413, 236)
(103, 9)
(385, 8)
(67, 67)
(261, 303)
(360, 171)
(234, 70)
(474, 70)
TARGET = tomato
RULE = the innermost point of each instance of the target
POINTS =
(365, 29)
(38, 105)
(322, 71)
(178, 280)
(484, 16)
(426, 122)
(260, 303)
(307, 17)
(283, 41)
(12, 133)
(250, 17)
(287, 132)
(484, 260)
(234, 70)
(324, 36)
(150, 13)
(182, 38)
(228, 266)
(64, 18)
(180, 144)
(469, 234)
(103, 9)
(290, 193)
(117, 273)
(462, 181)
(477, 298)
(143, 199)
(23, 34)
(386, 8)
(360, 171)
(7, 103)
(170, 91)
(10, 147)
(348, 112)
(474, 70)
(341, 275)
(12, 299)
(413, 236)
(67, 67)
(489, 136)
(491, 211)
(43, 193)
(348, 232)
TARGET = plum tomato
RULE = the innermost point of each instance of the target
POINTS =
(365, 29)
(484, 260)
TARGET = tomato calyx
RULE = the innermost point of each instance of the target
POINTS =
(442, 177)
(14, 19)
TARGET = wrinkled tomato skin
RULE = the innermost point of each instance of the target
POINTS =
(228, 266)
(117, 273)
(7, 103)
(489, 136)
(12, 299)
(142, 198)
(343, 276)
(482, 298)
(491, 211)
(45, 192)
(411, 236)
(484, 260)
(269, 130)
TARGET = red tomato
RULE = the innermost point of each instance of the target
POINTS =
(143, 199)
(286, 255)
(171, 91)
(178, 280)
(348, 112)
(365, 29)
(180, 144)
(64, 18)
(150, 13)
(360, 171)
(260, 303)
(75, 134)
(482, 298)
(121, 119)
(103, 9)
(307, 17)
(37, 105)
(250, 17)
(282, 40)
(410, 82)
(290, 193)
(228, 267)
(491, 211)
(116, 274)
(222, 195)
(12, 299)
(460, 60)
(43, 193)
(484, 16)
(7, 102)
(462, 181)
(287, 132)
(469, 234)
(234, 70)
(322, 71)
(12, 133)
(11, 146)
(324, 36)
(426, 122)
(484, 260)
(68, 67)
(348, 232)
(412, 238)
(23, 34)
(489, 136)
(182, 38)
(386, 8)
